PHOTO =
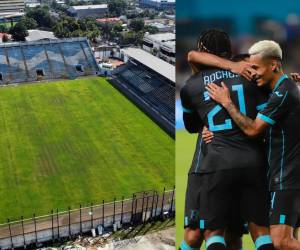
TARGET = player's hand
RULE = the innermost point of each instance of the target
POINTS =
(219, 94)
(295, 77)
(244, 69)
(207, 135)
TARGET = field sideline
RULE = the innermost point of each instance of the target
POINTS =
(185, 145)
(78, 141)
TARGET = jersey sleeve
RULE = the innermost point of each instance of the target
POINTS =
(275, 108)
(185, 100)
(191, 119)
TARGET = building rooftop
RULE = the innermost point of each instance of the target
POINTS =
(170, 44)
(84, 7)
(158, 65)
(159, 1)
(108, 19)
(162, 37)
(35, 35)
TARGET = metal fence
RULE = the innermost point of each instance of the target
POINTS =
(140, 208)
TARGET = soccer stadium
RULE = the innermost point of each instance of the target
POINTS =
(151, 81)
(246, 23)
(70, 137)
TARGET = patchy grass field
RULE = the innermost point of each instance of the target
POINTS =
(78, 141)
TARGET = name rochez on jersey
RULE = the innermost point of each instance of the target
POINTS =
(221, 74)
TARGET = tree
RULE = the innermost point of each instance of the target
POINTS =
(118, 27)
(29, 22)
(19, 32)
(129, 38)
(137, 24)
(151, 29)
(116, 7)
(70, 27)
(3, 29)
(42, 16)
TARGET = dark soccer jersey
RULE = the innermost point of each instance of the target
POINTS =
(282, 112)
(230, 148)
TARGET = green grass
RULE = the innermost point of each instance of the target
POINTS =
(8, 24)
(185, 145)
(71, 142)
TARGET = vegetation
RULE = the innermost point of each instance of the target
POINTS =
(19, 32)
(42, 17)
(137, 25)
(117, 7)
(78, 141)
(70, 27)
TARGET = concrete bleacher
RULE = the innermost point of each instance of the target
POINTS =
(150, 87)
(43, 60)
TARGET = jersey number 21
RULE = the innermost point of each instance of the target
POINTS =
(228, 122)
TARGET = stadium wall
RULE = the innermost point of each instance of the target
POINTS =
(146, 108)
(46, 60)
(36, 232)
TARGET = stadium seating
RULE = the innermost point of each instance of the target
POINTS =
(151, 87)
(42, 60)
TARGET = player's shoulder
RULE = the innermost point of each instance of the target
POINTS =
(194, 82)
(286, 86)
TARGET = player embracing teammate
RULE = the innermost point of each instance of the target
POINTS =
(228, 176)
(279, 119)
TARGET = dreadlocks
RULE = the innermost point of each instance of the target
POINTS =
(215, 42)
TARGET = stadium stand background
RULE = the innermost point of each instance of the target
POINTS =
(11, 7)
(148, 88)
(45, 60)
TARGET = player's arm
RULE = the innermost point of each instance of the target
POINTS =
(191, 119)
(242, 68)
(249, 126)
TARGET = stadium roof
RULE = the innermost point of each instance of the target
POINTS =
(158, 65)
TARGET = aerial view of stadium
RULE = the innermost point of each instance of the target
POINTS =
(80, 139)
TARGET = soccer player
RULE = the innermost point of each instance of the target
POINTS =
(233, 167)
(193, 236)
(281, 116)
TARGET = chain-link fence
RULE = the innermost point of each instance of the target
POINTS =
(140, 208)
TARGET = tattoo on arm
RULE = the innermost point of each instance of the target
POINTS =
(241, 120)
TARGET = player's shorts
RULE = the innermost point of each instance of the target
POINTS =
(227, 198)
(285, 208)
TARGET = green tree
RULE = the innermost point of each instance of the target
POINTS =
(42, 16)
(19, 32)
(70, 27)
(129, 38)
(29, 22)
(151, 29)
(3, 29)
(137, 24)
(116, 7)
(118, 27)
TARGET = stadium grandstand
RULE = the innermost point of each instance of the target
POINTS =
(11, 8)
(45, 60)
(150, 83)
